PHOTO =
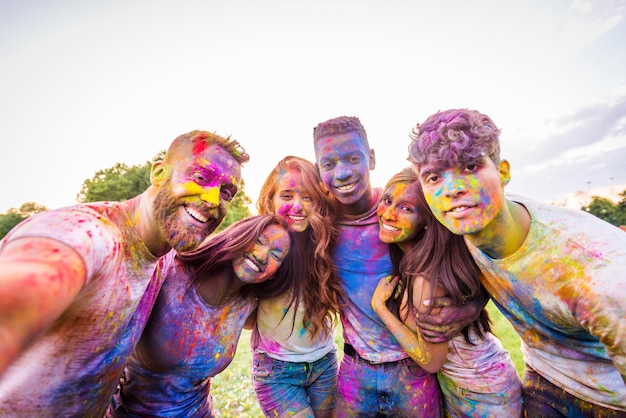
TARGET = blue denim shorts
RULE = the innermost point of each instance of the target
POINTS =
(284, 388)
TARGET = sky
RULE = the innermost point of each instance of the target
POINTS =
(86, 84)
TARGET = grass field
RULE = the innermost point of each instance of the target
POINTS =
(232, 389)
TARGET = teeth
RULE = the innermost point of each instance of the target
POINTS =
(253, 265)
(196, 215)
(459, 208)
(297, 218)
(346, 187)
(390, 228)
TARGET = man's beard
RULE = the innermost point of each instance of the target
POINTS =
(184, 237)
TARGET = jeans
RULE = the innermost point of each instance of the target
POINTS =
(284, 388)
(546, 400)
(395, 389)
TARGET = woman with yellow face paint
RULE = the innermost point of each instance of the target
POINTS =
(476, 375)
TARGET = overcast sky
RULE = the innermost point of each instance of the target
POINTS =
(86, 84)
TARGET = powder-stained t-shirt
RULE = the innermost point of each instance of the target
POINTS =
(362, 259)
(482, 367)
(564, 291)
(73, 368)
(282, 337)
(185, 343)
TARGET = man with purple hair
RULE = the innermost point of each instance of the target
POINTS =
(558, 275)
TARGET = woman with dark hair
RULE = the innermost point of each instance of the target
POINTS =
(194, 327)
(476, 375)
(295, 360)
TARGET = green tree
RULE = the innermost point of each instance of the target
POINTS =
(14, 216)
(117, 183)
(603, 208)
(239, 208)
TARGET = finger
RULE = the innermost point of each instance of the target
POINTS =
(428, 321)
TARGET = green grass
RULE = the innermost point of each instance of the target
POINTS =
(232, 389)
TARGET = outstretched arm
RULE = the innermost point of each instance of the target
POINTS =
(429, 357)
(451, 319)
(39, 279)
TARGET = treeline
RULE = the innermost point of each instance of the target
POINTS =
(603, 208)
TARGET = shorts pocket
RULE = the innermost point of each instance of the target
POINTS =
(264, 366)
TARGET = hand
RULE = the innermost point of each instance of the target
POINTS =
(383, 292)
(449, 321)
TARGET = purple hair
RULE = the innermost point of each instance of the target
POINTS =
(454, 137)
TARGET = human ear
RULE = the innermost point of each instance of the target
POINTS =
(504, 168)
(157, 173)
(372, 159)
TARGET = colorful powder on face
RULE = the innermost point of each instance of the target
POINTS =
(212, 195)
(199, 147)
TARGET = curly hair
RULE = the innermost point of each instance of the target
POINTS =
(314, 266)
(338, 126)
(217, 252)
(454, 137)
(439, 256)
(204, 138)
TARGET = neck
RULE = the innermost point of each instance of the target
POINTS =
(220, 288)
(405, 246)
(140, 211)
(364, 204)
(505, 234)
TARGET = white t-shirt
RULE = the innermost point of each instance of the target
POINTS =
(285, 339)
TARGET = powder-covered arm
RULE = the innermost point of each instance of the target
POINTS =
(39, 279)
(428, 356)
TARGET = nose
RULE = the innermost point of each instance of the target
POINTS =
(297, 204)
(342, 171)
(211, 195)
(260, 254)
(389, 213)
(454, 185)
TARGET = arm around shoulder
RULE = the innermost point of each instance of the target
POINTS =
(39, 279)
(448, 321)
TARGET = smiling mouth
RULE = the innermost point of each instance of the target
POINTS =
(390, 228)
(252, 264)
(196, 215)
(296, 218)
(346, 187)
(460, 209)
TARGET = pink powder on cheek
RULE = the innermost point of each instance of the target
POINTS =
(283, 210)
